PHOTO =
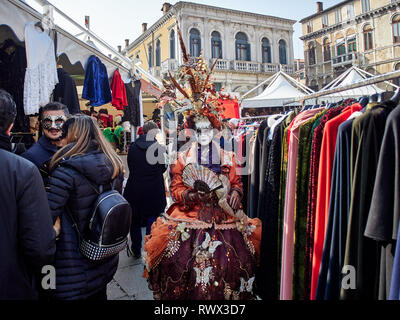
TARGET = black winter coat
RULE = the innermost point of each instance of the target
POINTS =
(145, 189)
(78, 277)
(27, 237)
(40, 154)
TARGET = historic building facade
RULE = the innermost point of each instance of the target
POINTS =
(361, 32)
(251, 47)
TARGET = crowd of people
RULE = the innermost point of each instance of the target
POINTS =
(60, 174)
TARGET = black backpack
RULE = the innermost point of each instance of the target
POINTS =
(108, 229)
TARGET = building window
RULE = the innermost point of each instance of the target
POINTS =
(350, 11)
(368, 45)
(338, 15)
(151, 58)
(327, 50)
(282, 52)
(172, 44)
(325, 21)
(365, 6)
(351, 45)
(216, 45)
(266, 51)
(242, 47)
(341, 48)
(158, 53)
(195, 43)
(396, 29)
(311, 54)
(309, 26)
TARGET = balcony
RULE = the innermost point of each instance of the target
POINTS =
(270, 67)
(287, 68)
(169, 65)
(246, 66)
(155, 72)
(221, 64)
(348, 58)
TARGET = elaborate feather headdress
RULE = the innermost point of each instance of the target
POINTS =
(199, 97)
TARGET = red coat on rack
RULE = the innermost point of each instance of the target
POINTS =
(119, 100)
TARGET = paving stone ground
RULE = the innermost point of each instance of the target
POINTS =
(128, 283)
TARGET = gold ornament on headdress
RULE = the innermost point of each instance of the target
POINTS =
(193, 81)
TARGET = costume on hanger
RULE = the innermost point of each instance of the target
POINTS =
(12, 77)
(96, 87)
(361, 252)
(383, 218)
(66, 93)
(41, 72)
(132, 110)
(119, 100)
(202, 248)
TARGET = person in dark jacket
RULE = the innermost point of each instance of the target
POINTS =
(51, 117)
(145, 189)
(27, 237)
(77, 172)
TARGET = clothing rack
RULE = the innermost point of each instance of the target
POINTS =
(369, 81)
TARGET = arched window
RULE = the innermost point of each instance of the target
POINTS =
(242, 47)
(216, 45)
(327, 50)
(158, 53)
(195, 43)
(172, 44)
(340, 45)
(282, 52)
(266, 51)
(368, 45)
(151, 58)
(396, 28)
(311, 54)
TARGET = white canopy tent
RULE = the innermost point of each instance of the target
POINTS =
(281, 89)
(351, 76)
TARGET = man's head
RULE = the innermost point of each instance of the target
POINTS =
(149, 125)
(8, 112)
(52, 117)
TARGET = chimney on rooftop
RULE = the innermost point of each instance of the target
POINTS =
(119, 49)
(320, 6)
(126, 43)
(144, 27)
(165, 8)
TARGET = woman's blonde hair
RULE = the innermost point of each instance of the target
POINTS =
(82, 134)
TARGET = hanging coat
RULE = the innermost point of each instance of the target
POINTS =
(119, 100)
(363, 253)
(96, 88)
(66, 93)
(383, 218)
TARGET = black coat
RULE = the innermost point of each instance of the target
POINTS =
(145, 189)
(40, 154)
(27, 237)
(78, 277)
(66, 93)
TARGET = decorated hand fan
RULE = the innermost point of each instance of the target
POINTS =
(201, 178)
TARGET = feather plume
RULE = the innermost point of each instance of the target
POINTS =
(177, 85)
(183, 47)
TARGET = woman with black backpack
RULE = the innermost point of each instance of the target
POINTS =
(79, 172)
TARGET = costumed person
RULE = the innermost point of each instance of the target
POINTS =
(204, 247)
(52, 118)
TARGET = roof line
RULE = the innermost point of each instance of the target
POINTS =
(325, 10)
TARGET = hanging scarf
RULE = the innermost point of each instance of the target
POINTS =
(5, 142)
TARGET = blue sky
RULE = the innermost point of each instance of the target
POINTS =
(117, 20)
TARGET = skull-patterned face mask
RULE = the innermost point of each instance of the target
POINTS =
(53, 122)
